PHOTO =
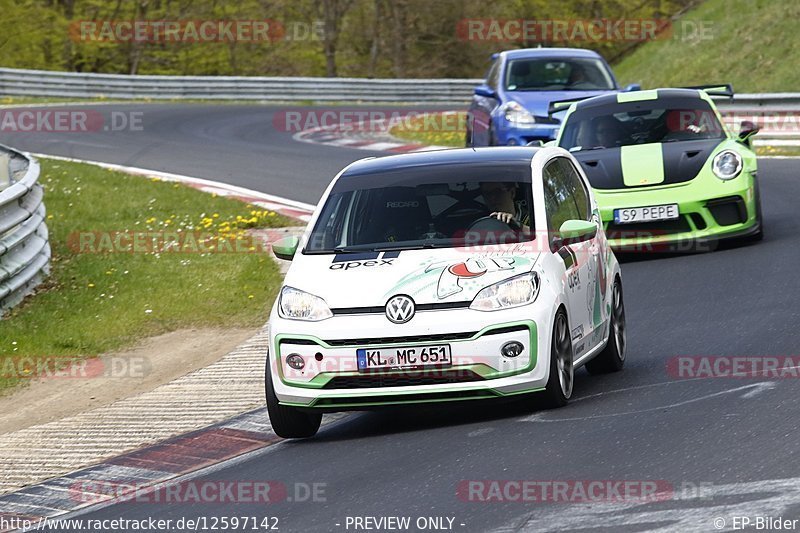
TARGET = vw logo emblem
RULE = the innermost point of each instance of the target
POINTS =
(400, 309)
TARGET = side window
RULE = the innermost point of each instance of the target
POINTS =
(559, 201)
(577, 188)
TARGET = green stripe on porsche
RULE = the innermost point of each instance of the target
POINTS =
(637, 96)
(642, 164)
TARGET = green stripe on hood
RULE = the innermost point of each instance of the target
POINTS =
(642, 164)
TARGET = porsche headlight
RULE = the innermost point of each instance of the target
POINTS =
(517, 114)
(727, 165)
(511, 292)
(298, 305)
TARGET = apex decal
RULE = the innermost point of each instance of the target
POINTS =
(366, 259)
(356, 264)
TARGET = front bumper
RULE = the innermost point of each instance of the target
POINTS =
(707, 214)
(331, 380)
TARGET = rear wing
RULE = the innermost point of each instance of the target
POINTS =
(561, 105)
(725, 89)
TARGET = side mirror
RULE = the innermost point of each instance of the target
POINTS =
(632, 87)
(485, 91)
(285, 248)
(747, 130)
(550, 143)
(577, 231)
(537, 143)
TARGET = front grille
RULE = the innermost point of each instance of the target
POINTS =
(407, 379)
(699, 221)
(374, 341)
(379, 309)
(640, 230)
(728, 211)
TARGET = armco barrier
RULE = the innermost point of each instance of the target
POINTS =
(15, 82)
(24, 246)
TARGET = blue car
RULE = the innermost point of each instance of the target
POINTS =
(511, 106)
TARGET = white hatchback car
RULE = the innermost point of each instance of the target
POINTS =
(444, 276)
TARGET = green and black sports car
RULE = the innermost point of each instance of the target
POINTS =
(665, 168)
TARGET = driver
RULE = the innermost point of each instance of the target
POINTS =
(606, 131)
(500, 199)
(577, 75)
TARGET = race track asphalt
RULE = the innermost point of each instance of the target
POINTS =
(723, 447)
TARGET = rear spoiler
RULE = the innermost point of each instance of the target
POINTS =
(725, 89)
(561, 105)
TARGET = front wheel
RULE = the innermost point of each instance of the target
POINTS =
(758, 235)
(612, 358)
(559, 382)
(289, 422)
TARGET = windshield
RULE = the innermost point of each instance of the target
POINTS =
(642, 122)
(584, 74)
(426, 208)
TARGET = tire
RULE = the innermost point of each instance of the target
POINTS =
(562, 374)
(289, 422)
(759, 235)
(612, 358)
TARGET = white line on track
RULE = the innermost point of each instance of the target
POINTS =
(753, 389)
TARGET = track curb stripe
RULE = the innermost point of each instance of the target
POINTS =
(142, 468)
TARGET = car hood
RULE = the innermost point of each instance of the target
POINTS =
(538, 102)
(645, 165)
(428, 276)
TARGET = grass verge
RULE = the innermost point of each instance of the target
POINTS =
(748, 43)
(434, 129)
(768, 150)
(99, 302)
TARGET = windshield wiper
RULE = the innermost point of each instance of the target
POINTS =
(339, 250)
(409, 247)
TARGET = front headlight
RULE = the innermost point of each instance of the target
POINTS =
(517, 114)
(298, 305)
(727, 165)
(511, 292)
